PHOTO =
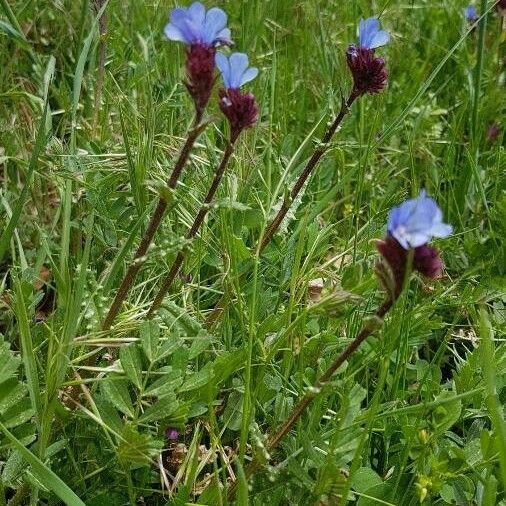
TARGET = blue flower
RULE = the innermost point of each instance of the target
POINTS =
(235, 70)
(369, 34)
(193, 25)
(471, 13)
(416, 221)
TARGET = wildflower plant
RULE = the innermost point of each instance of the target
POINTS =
(325, 372)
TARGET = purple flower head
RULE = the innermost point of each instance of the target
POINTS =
(426, 261)
(200, 74)
(193, 25)
(171, 433)
(235, 70)
(369, 72)
(501, 5)
(471, 13)
(369, 34)
(416, 221)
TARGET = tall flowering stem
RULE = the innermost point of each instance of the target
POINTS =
(241, 111)
(411, 226)
(154, 224)
(201, 31)
(197, 222)
(322, 148)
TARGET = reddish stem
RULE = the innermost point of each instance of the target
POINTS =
(154, 223)
(308, 169)
(197, 222)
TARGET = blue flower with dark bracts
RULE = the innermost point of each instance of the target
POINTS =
(416, 221)
(471, 13)
(235, 70)
(193, 25)
(370, 35)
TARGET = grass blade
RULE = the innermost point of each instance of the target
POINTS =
(43, 473)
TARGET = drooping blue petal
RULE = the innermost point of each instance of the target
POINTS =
(381, 38)
(223, 65)
(224, 37)
(416, 221)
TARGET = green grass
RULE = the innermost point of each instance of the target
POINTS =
(416, 414)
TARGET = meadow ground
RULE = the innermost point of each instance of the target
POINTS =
(183, 407)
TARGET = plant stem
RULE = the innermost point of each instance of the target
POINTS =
(299, 408)
(154, 223)
(308, 169)
(197, 222)
(308, 398)
(102, 50)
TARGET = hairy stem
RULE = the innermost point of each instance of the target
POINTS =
(368, 329)
(197, 222)
(154, 223)
(308, 169)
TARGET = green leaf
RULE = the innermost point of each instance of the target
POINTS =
(131, 362)
(364, 479)
(198, 346)
(116, 392)
(137, 449)
(149, 333)
(199, 379)
(160, 410)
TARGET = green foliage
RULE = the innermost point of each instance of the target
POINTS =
(415, 415)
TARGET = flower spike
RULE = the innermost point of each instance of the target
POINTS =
(202, 32)
(369, 73)
(411, 226)
(240, 108)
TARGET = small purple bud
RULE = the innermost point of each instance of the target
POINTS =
(200, 73)
(428, 262)
(501, 6)
(369, 72)
(493, 132)
(240, 109)
(171, 433)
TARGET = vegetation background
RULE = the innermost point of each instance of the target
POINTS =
(416, 415)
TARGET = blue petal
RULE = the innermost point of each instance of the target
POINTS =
(215, 19)
(224, 37)
(224, 67)
(367, 30)
(197, 13)
(441, 230)
(238, 66)
(249, 75)
(381, 38)
(172, 32)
